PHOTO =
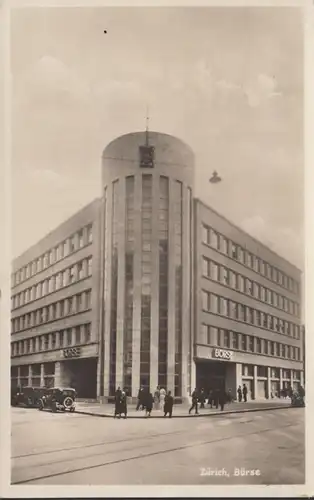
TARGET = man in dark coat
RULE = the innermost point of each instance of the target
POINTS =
(168, 406)
(194, 402)
(211, 398)
(140, 398)
(244, 391)
(148, 403)
(123, 404)
(239, 391)
(222, 398)
(202, 398)
(117, 402)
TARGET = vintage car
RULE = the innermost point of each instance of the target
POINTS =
(27, 396)
(58, 399)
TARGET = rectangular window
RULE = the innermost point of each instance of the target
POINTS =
(226, 336)
(225, 278)
(241, 283)
(213, 239)
(77, 334)
(206, 334)
(234, 340)
(205, 301)
(72, 243)
(205, 234)
(61, 308)
(206, 267)
(89, 234)
(234, 250)
(80, 238)
(243, 342)
(88, 299)
(89, 266)
(258, 346)
(80, 270)
(224, 245)
(69, 336)
(251, 343)
(87, 332)
(72, 274)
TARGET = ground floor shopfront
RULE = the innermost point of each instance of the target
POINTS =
(263, 376)
(72, 367)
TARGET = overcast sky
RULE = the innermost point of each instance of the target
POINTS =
(228, 81)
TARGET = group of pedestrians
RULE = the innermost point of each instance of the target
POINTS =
(242, 393)
(161, 401)
(217, 397)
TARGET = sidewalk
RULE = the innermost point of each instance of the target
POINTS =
(182, 410)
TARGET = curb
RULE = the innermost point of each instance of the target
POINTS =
(214, 414)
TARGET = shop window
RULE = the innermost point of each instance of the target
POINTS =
(262, 371)
(247, 370)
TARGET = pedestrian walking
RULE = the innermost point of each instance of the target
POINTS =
(140, 397)
(216, 398)
(123, 404)
(244, 391)
(229, 396)
(222, 398)
(162, 395)
(117, 402)
(239, 391)
(149, 401)
(194, 402)
(168, 406)
(211, 398)
(157, 398)
(202, 399)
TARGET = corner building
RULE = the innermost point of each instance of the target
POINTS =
(149, 286)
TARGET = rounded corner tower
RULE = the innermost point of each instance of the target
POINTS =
(147, 182)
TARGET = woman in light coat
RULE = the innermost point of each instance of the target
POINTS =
(162, 398)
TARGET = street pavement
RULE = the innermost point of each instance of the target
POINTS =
(76, 449)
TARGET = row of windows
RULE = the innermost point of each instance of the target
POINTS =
(71, 244)
(235, 251)
(66, 307)
(78, 271)
(239, 312)
(36, 370)
(248, 343)
(77, 335)
(234, 280)
(262, 371)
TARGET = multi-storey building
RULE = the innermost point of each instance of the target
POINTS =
(149, 286)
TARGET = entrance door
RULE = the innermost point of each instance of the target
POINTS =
(210, 375)
(81, 374)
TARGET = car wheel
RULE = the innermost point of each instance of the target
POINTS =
(40, 405)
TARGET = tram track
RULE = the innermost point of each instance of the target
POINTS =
(137, 456)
